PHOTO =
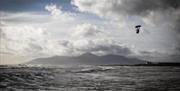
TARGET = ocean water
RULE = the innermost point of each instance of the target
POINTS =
(89, 78)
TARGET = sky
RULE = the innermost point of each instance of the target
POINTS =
(32, 29)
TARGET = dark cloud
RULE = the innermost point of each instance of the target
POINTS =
(168, 9)
(160, 11)
(178, 23)
(107, 49)
(145, 6)
(102, 46)
(129, 6)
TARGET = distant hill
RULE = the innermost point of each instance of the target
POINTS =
(87, 59)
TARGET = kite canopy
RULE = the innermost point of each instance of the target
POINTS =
(137, 26)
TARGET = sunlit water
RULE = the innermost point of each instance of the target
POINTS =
(90, 78)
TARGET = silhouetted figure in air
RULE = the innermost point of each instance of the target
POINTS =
(137, 28)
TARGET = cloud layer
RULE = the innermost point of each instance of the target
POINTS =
(31, 42)
(127, 7)
(159, 18)
(99, 26)
(153, 10)
(161, 15)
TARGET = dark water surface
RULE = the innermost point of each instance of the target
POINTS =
(90, 78)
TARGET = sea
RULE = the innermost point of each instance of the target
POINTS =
(89, 78)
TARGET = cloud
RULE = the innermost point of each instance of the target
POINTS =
(22, 36)
(2, 35)
(84, 38)
(101, 47)
(158, 17)
(57, 13)
(31, 41)
(91, 38)
(19, 39)
(97, 46)
(61, 32)
(119, 7)
(7, 53)
(86, 30)
(149, 11)
(21, 43)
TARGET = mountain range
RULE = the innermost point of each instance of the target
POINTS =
(87, 59)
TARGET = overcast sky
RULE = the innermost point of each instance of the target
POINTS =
(40, 28)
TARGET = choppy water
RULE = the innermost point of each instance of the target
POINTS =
(90, 78)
